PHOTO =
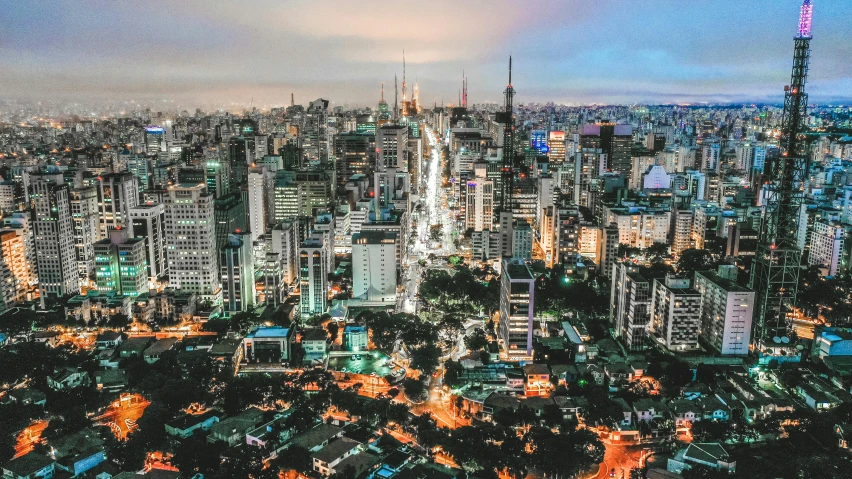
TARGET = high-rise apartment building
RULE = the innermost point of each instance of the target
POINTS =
(479, 204)
(84, 213)
(259, 185)
(391, 144)
(828, 247)
(313, 284)
(53, 230)
(727, 310)
(148, 222)
(14, 270)
(237, 273)
(191, 241)
(517, 307)
(675, 313)
(630, 305)
(615, 141)
(374, 266)
(117, 193)
(120, 266)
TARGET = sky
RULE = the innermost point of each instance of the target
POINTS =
(565, 51)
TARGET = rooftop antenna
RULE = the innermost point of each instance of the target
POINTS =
(395, 98)
(404, 97)
(292, 100)
(383, 91)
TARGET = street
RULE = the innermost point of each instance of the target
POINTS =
(620, 458)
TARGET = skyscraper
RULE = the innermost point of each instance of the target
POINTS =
(313, 284)
(615, 141)
(517, 300)
(120, 266)
(148, 222)
(259, 184)
(53, 231)
(374, 266)
(191, 241)
(117, 193)
(237, 272)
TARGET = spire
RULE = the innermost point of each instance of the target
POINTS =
(383, 91)
(805, 19)
(510, 70)
(395, 99)
(404, 88)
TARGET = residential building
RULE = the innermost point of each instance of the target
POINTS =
(148, 222)
(726, 312)
(517, 306)
(313, 277)
(675, 313)
(190, 241)
(374, 267)
(237, 273)
(53, 231)
(120, 266)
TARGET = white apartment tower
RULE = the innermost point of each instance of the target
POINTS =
(259, 185)
(726, 312)
(517, 300)
(148, 222)
(374, 265)
(676, 313)
(313, 277)
(117, 193)
(191, 241)
(53, 230)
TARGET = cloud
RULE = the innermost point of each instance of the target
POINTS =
(224, 51)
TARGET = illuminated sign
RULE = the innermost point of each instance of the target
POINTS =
(155, 129)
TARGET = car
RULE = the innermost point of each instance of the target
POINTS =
(612, 472)
(354, 357)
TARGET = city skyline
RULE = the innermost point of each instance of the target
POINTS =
(565, 52)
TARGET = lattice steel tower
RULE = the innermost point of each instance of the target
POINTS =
(507, 169)
(775, 271)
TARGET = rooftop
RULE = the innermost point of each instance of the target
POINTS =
(336, 449)
(270, 332)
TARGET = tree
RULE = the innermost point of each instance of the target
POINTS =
(692, 260)
(333, 330)
(452, 373)
(476, 340)
(436, 232)
(414, 389)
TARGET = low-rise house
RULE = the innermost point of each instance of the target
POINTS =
(315, 344)
(711, 455)
(594, 370)
(28, 396)
(227, 353)
(816, 398)
(685, 412)
(186, 425)
(272, 433)
(496, 402)
(152, 353)
(355, 338)
(618, 373)
(50, 338)
(713, 409)
(108, 358)
(233, 430)
(68, 378)
(111, 380)
(649, 409)
(325, 459)
(843, 431)
(108, 339)
(317, 437)
(537, 380)
(30, 466)
(79, 452)
(134, 346)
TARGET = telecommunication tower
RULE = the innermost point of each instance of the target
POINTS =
(775, 271)
(507, 169)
